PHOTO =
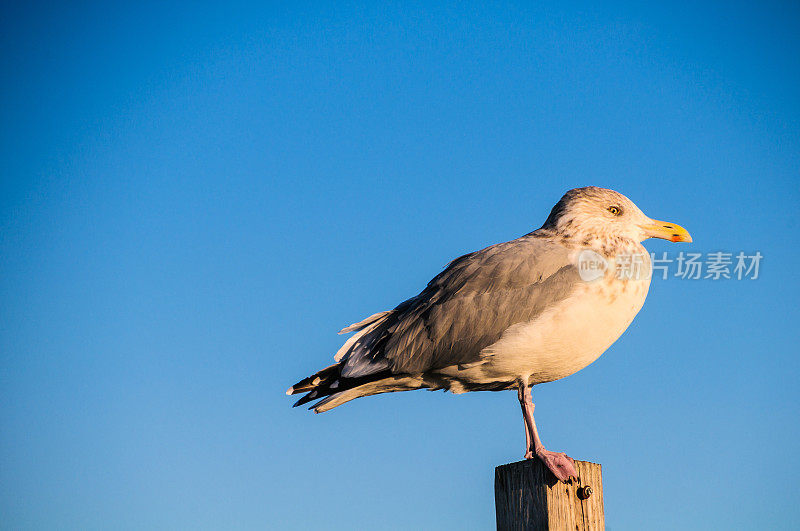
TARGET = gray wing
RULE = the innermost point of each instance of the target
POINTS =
(464, 309)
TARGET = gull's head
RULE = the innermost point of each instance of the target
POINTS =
(602, 213)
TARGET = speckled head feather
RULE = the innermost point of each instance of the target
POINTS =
(593, 212)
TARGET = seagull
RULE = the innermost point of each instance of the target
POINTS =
(513, 315)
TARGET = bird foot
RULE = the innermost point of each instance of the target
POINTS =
(560, 464)
(529, 454)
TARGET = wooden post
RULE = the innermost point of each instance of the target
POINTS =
(528, 497)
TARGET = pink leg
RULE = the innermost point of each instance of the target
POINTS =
(560, 464)
(528, 439)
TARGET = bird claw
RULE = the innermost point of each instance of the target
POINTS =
(560, 464)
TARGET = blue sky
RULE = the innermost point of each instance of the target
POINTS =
(195, 198)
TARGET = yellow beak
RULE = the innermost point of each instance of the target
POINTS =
(667, 231)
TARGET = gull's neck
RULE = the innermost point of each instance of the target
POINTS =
(609, 245)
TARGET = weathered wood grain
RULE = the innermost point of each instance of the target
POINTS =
(528, 497)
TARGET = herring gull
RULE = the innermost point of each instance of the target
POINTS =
(510, 316)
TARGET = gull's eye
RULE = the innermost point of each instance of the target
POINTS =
(615, 210)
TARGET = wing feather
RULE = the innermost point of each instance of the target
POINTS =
(464, 309)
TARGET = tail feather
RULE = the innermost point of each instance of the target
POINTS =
(334, 390)
(385, 385)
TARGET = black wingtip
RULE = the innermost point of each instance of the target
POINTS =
(307, 398)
